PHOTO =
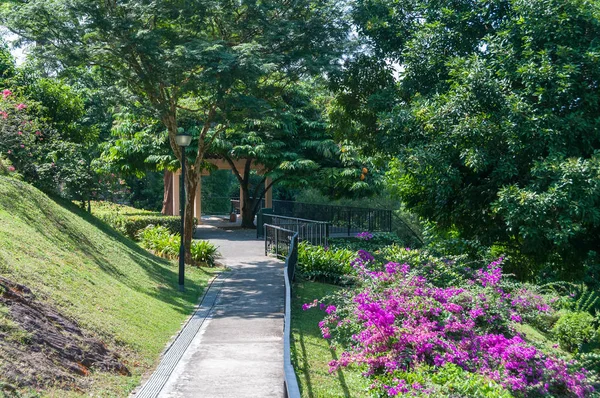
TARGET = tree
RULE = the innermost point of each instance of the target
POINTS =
(208, 57)
(288, 141)
(496, 122)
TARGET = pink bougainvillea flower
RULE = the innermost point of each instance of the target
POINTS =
(20, 133)
(6, 93)
(4, 115)
(21, 106)
(9, 151)
(11, 168)
(22, 146)
(38, 133)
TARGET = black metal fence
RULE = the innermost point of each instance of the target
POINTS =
(314, 232)
(222, 205)
(342, 219)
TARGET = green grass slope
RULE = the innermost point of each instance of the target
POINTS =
(114, 289)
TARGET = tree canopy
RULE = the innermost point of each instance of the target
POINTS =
(493, 120)
(213, 59)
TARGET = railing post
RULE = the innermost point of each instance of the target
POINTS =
(349, 220)
(276, 243)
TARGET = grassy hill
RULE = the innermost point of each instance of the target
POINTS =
(114, 290)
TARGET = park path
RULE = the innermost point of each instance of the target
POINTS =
(238, 349)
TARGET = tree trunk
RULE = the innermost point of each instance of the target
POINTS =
(167, 207)
(247, 208)
(191, 185)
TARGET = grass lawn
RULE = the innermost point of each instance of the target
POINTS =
(116, 290)
(311, 353)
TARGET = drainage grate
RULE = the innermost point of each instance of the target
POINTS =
(161, 375)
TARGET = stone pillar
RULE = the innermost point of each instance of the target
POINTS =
(176, 202)
(268, 193)
(198, 202)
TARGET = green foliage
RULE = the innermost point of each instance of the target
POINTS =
(454, 380)
(492, 124)
(162, 242)
(441, 271)
(325, 264)
(7, 62)
(574, 297)
(290, 142)
(378, 241)
(450, 380)
(129, 221)
(204, 252)
(574, 329)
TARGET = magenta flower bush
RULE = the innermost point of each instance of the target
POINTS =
(397, 321)
(18, 134)
(364, 235)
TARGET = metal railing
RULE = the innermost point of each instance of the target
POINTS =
(342, 219)
(312, 231)
(288, 241)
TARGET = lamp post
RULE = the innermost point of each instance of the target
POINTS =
(183, 140)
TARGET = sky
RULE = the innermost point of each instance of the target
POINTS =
(18, 53)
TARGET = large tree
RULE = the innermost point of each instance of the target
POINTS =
(209, 57)
(495, 120)
(288, 142)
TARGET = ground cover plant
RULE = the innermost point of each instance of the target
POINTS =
(72, 269)
(160, 241)
(425, 326)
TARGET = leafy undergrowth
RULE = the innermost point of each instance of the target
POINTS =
(113, 289)
(311, 353)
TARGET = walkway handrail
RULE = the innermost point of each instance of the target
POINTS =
(297, 219)
(313, 231)
(290, 380)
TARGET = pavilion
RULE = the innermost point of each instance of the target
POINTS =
(220, 164)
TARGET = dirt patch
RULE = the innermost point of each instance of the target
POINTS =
(52, 350)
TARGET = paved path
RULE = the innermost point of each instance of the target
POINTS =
(238, 350)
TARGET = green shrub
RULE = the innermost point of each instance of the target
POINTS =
(379, 240)
(204, 252)
(574, 329)
(129, 220)
(159, 240)
(328, 265)
(133, 224)
(449, 380)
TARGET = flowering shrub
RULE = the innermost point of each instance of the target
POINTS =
(18, 133)
(397, 321)
(364, 235)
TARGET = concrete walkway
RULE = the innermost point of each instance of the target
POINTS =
(238, 350)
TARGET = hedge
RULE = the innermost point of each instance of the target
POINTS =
(130, 221)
